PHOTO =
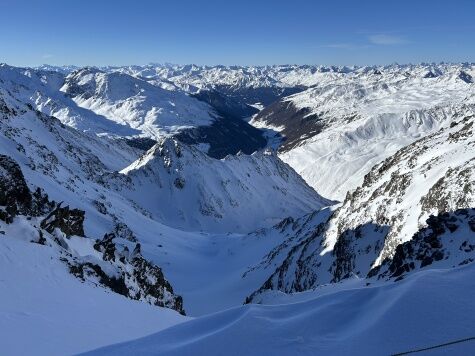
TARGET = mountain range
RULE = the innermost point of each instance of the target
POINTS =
(238, 210)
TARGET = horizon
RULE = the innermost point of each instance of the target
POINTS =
(164, 64)
(245, 33)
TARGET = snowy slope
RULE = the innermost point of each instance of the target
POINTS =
(41, 89)
(136, 103)
(44, 257)
(432, 177)
(347, 122)
(106, 103)
(116, 104)
(46, 311)
(189, 190)
(350, 320)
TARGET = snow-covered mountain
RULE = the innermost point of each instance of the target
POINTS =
(122, 192)
(418, 195)
(135, 103)
(184, 187)
(122, 106)
(188, 189)
(345, 123)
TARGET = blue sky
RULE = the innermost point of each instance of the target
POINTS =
(229, 32)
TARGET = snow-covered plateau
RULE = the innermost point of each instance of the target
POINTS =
(229, 210)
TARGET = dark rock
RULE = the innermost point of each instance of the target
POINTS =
(225, 136)
(82, 270)
(427, 261)
(69, 221)
(179, 183)
(121, 230)
(430, 74)
(107, 247)
(467, 78)
(14, 192)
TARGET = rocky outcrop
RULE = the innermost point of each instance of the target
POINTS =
(69, 221)
(298, 124)
(15, 196)
(128, 274)
(448, 240)
(225, 136)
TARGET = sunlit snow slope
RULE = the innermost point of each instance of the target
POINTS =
(345, 123)
(352, 320)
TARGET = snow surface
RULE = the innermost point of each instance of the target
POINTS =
(189, 190)
(135, 103)
(113, 104)
(356, 320)
(368, 117)
(45, 310)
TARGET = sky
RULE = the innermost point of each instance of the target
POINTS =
(229, 32)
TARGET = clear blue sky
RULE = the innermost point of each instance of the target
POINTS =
(119, 32)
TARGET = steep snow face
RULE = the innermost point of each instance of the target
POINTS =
(349, 319)
(41, 89)
(34, 217)
(69, 165)
(107, 103)
(347, 122)
(432, 177)
(136, 103)
(185, 188)
(42, 247)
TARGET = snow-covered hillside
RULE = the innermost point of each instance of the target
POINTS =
(402, 198)
(136, 103)
(187, 189)
(345, 123)
(336, 320)
(43, 302)
(118, 105)
(45, 256)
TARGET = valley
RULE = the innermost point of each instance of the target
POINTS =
(236, 209)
